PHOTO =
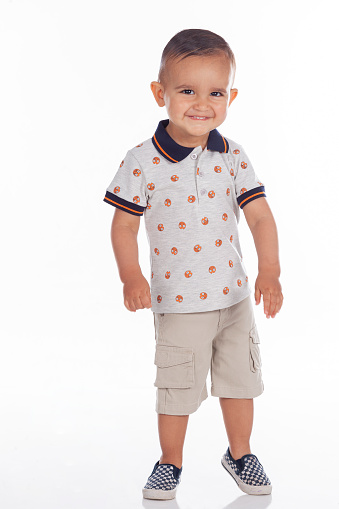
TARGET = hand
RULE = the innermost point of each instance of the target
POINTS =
(269, 286)
(137, 294)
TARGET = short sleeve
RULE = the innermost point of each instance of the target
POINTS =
(127, 191)
(248, 186)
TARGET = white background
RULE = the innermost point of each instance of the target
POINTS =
(77, 411)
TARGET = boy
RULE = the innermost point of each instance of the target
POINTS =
(189, 182)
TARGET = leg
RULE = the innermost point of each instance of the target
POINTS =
(172, 431)
(238, 419)
(181, 386)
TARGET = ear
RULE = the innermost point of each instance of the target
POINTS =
(158, 92)
(233, 95)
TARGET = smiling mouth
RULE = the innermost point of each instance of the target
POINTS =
(195, 117)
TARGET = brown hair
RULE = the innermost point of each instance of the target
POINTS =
(194, 41)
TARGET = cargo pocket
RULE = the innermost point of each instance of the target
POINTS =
(255, 358)
(175, 367)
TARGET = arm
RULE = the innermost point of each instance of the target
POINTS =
(263, 228)
(124, 234)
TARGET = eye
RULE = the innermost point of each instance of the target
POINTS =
(220, 94)
(187, 91)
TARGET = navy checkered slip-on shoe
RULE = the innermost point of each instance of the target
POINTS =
(163, 481)
(248, 473)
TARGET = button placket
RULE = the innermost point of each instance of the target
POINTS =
(200, 182)
(196, 185)
(197, 175)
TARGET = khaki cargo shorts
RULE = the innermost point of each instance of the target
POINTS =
(188, 345)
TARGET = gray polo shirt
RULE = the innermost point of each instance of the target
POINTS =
(190, 199)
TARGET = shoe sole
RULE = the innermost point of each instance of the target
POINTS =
(246, 488)
(159, 494)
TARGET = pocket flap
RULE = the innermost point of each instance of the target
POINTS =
(254, 335)
(166, 356)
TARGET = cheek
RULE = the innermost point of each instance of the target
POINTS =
(221, 110)
(177, 104)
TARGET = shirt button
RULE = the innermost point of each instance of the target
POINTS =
(203, 191)
(194, 156)
(201, 174)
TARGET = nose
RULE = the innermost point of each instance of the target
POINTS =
(201, 103)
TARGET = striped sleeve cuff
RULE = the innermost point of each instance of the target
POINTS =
(120, 203)
(251, 195)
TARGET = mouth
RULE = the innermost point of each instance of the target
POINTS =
(195, 117)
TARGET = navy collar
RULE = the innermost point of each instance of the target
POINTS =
(174, 152)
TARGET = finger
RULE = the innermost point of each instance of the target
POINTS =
(149, 297)
(274, 305)
(257, 295)
(274, 308)
(137, 303)
(274, 302)
(267, 300)
(280, 299)
(127, 305)
(145, 300)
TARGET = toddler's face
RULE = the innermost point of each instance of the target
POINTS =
(197, 93)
